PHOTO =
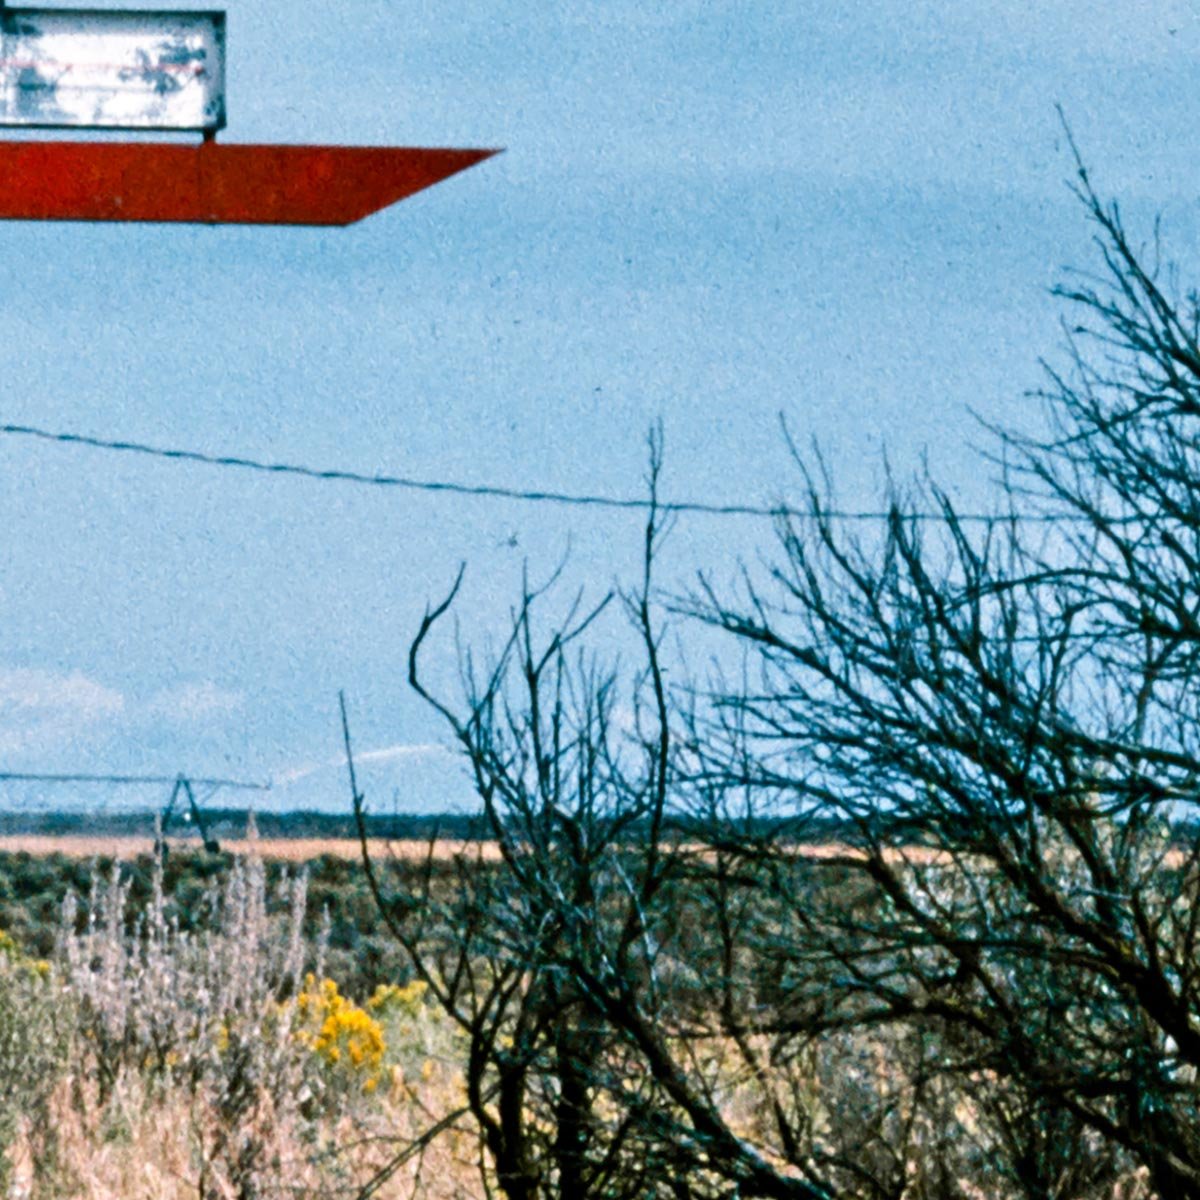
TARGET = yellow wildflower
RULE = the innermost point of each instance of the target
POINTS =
(338, 1030)
(392, 997)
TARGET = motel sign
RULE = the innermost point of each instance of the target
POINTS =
(157, 73)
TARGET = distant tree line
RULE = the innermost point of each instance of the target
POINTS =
(231, 823)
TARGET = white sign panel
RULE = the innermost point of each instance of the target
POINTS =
(104, 69)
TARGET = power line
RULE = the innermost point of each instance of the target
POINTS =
(694, 507)
(116, 780)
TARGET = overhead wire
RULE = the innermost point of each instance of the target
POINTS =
(495, 491)
(544, 496)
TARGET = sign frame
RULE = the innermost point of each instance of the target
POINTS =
(215, 110)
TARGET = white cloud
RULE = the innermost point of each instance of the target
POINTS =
(26, 689)
(43, 709)
(383, 754)
(389, 753)
(195, 702)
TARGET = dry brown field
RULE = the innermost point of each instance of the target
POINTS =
(124, 849)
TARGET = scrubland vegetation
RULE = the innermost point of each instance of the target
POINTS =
(188, 1035)
(170, 1048)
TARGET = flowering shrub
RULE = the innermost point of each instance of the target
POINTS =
(159, 1008)
(396, 1000)
(12, 953)
(338, 1032)
(210, 1044)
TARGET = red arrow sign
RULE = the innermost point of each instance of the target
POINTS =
(212, 183)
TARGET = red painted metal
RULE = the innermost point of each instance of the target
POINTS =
(213, 183)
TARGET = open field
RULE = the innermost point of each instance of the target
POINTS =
(306, 849)
(127, 849)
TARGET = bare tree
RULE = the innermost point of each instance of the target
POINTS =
(578, 968)
(1001, 721)
(907, 909)
(505, 947)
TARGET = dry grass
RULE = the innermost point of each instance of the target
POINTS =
(300, 850)
(152, 1145)
(126, 849)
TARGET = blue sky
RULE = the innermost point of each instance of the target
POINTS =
(846, 213)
